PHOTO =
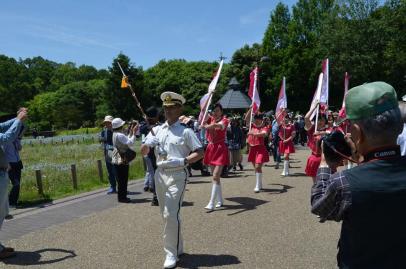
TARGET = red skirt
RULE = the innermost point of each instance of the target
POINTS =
(216, 154)
(312, 165)
(286, 147)
(258, 154)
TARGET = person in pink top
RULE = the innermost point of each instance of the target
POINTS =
(216, 155)
(286, 134)
(258, 155)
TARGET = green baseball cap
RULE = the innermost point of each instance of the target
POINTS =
(369, 100)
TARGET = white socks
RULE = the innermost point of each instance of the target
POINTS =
(219, 196)
(258, 185)
(214, 194)
(285, 168)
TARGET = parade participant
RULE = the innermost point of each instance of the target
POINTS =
(216, 155)
(8, 132)
(152, 119)
(121, 144)
(367, 198)
(258, 155)
(313, 143)
(286, 134)
(106, 138)
(175, 146)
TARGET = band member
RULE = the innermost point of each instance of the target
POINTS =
(176, 145)
(314, 142)
(216, 155)
(258, 154)
(286, 134)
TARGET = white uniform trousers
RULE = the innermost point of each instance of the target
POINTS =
(170, 187)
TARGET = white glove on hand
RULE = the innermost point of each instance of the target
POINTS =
(171, 163)
(151, 141)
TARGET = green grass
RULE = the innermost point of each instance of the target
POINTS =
(93, 130)
(55, 161)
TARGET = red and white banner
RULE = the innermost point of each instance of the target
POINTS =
(206, 99)
(282, 104)
(253, 90)
(342, 113)
(324, 87)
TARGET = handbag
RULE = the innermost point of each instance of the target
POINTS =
(122, 156)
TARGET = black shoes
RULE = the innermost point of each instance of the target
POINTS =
(241, 168)
(154, 202)
(125, 200)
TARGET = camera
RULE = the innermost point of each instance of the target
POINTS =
(335, 147)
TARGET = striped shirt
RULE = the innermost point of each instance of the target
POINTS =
(331, 196)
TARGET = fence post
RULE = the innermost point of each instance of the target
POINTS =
(100, 169)
(74, 177)
(39, 182)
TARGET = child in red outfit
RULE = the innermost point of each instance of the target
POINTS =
(286, 134)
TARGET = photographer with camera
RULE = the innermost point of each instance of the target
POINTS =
(369, 198)
(123, 155)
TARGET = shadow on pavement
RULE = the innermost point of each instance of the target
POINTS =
(284, 189)
(297, 175)
(34, 258)
(133, 192)
(198, 182)
(140, 201)
(245, 204)
(194, 261)
(186, 203)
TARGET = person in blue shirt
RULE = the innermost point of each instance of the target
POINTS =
(106, 137)
(8, 132)
(12, 153)
(275, 142)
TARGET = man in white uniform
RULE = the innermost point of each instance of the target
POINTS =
(175, 147)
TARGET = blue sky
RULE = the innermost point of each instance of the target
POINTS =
(93, 32)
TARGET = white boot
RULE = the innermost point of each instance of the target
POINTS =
(285, 168)
(219, 197)
(170, 261)
(258, 185)
(214, 191)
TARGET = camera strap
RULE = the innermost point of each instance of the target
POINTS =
(383, 154)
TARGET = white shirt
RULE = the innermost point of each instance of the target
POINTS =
(402, 141)
(176, 139)
(122, 139)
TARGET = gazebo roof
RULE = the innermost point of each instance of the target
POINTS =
(235, 100)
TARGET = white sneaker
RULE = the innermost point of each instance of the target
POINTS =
(209, 207)
(219, 204)
(256, 190)
(170, 261)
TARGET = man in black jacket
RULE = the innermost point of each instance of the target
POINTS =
(369, 199)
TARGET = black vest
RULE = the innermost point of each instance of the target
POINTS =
(373, 233)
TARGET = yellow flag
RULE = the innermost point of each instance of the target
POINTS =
(124, 82)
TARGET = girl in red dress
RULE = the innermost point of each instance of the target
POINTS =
(216, 155)
(258, 155)
(286, 134)
(313, 143)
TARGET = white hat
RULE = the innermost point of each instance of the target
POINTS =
(117, 123)
(172, 98)
(108, 118)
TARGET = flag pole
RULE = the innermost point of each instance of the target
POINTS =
(135, 97)
(318, 100)
(253, 97)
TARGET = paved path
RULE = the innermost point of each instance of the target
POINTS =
(272, 229)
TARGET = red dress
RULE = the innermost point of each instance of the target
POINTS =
(284, 133)
(313, 162)
(257, 152)
(217, 152)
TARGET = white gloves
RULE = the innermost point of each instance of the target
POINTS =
(151, 141)
(171, 163)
